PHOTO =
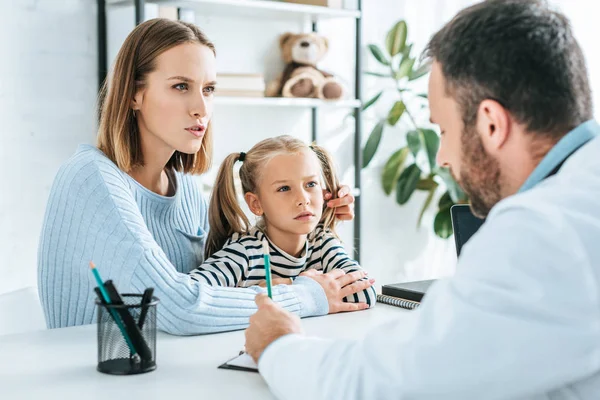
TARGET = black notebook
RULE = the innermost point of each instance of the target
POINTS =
(410, 294)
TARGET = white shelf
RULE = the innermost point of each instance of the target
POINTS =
(253, 8)
(285, 102)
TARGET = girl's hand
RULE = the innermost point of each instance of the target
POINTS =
(344, 204)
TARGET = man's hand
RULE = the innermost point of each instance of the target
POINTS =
(337, 285)
(268, 324)
(344, 204)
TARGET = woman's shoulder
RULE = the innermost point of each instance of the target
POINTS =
(91, 159)
(88, 166)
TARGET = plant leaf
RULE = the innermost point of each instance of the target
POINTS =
(426, 204)
(442, 224)
(407, 183)
(395, 40)
(406, 51)
(378, 74)
(427, 184)
(372, 101)
(378, 54)
(445, 201)
(454, 191)
(392, 170)
(372, 143)
(413, 139)
(423, 95)
(419, 72)
(432, 144)
(404, 68)
(396, 112)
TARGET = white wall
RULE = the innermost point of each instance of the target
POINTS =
(47, 105)
(47, 102)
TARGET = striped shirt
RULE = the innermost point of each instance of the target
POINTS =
(240, 262)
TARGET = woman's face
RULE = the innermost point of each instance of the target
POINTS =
(175, 105)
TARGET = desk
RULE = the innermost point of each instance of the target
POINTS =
(61, 363)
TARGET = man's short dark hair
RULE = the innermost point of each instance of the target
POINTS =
(521, 54)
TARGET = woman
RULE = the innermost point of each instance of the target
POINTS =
(132, 206)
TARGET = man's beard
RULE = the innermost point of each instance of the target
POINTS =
(479, 174)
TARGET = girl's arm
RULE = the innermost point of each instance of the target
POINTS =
(227, 267)
(334, 256)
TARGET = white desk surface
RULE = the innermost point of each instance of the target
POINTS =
(61, 363)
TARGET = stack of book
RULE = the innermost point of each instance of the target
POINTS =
(240, 85)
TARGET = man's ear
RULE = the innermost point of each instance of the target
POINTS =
(253, 204)
(494, 124)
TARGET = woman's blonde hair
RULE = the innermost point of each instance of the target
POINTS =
(225, 215)
(118, 134)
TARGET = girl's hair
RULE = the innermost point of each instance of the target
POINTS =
(118, 134)
(226, 217)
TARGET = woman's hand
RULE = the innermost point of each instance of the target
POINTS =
(337, 285)
(344, 204)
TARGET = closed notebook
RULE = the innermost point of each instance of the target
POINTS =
(406, 295)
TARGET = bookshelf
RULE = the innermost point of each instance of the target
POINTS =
(265, 10)
(252, 8)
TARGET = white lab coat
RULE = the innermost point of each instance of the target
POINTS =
(519, 320)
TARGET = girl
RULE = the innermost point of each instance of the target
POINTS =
(131, 204)
(283, 182)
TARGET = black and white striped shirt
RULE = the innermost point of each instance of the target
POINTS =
(240, 262)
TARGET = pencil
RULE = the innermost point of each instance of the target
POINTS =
(267, 258)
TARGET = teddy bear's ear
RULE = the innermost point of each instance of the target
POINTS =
(284, 38)
(325, 42)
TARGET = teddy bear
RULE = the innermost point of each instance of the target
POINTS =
(301, 77)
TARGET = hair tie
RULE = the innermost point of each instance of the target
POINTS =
(242, 156)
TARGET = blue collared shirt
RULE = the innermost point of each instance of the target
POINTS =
(565, 147)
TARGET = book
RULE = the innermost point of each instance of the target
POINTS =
(322, 3)
(406, 295)
(395, 301)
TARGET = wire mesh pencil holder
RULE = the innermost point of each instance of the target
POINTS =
(117, 336)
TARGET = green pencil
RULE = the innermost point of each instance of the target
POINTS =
(267, 258)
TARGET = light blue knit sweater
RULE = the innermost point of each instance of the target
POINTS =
(140, 239)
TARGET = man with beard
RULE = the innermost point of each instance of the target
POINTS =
(521, 317)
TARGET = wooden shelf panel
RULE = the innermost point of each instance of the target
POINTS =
(285, 102)
(253, 8)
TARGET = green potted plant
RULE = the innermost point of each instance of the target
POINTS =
(412, 167)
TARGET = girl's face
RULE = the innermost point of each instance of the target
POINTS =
(175, 105)
(290, 193)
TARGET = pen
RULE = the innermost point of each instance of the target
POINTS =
(146, 299)
(106, 297)
(267, 259)
(132, 329)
